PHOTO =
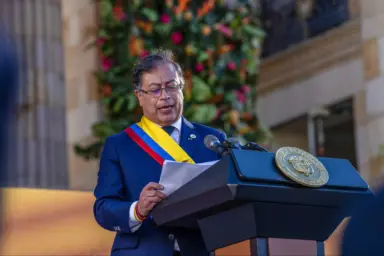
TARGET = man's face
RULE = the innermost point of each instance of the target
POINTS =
(162, 107)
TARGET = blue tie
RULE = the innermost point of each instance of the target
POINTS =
(168, 129)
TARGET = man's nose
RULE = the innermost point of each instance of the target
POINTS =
(164, 93)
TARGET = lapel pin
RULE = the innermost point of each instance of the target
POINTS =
(192, 136)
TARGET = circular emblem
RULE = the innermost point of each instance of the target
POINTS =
(301, 167)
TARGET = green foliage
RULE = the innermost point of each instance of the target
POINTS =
(218, 48)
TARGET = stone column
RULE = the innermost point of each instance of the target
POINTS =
(369, 103)
(37, 155)
(80, 19)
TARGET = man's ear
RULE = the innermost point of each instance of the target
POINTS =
(138, 96)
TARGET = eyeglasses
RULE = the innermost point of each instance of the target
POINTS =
(156, 92)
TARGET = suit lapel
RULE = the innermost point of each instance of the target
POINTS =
(189, 139)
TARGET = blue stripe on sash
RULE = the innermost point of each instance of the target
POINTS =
(151, 143)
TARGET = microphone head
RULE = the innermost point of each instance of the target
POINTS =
(211, 142)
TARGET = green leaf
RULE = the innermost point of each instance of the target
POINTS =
(163, 29)
(103, 33)
(245, 48)
(204, 113)
(118, 104)
(150, 14)
(106, 8)
(229, 16)
(252, 66)
(229, 97)
(131, 102)
(212, 80)
(254, 31)
(106, 101)
(102, 129)
(255, 42)
(202, 56)
(200, 90)
(194, 27)
(136, 3)
(108, 50)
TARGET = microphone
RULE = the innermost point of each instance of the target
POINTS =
(213, 143)
(232, 143)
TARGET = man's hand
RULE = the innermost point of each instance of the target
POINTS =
(149, 197)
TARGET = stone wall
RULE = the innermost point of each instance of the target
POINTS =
(369, 101)
(80, 19)
(36, 155)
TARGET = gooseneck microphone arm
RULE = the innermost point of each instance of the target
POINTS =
(213, 143)
(254, 146)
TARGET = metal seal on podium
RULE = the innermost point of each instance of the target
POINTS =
(301, 167)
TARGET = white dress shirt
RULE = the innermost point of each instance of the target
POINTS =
(133, 223)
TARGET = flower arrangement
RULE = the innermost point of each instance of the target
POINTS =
(217, 45)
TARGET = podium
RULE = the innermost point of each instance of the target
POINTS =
(245, 196)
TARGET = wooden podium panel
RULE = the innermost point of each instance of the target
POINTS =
(240, 249)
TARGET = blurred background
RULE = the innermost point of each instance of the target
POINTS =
(316, 83)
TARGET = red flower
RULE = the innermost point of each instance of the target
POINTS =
(165, 18)
(107, 90)
(144, 54)
(218, 113)
(100, 41)
(199, 67)
(231, 65)
(118, 13)
(177, 37)
(106, 64)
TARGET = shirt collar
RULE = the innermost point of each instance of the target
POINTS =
(176, 124)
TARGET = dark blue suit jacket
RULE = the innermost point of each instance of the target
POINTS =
(124, 170)
(8, 90)
(364, 234)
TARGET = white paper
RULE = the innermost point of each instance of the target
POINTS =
(175, 174)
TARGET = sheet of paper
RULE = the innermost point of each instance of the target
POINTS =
(175, 174)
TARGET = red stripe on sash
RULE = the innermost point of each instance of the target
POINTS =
(144, 146)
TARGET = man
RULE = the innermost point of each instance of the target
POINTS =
(127, 189)
(364, 234)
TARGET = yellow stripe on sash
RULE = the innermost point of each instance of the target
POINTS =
(165, 141)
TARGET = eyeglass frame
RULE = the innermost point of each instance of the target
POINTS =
(166, 88)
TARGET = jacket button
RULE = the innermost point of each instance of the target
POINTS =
(171, 237)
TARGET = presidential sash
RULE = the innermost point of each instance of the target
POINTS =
(157, 142)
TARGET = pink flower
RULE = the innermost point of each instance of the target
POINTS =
(224, 29)
(240, 96)
(165, 18)
(231, 65)
(199, 67)
(246, 88)
(177, 37)
(106, 64)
